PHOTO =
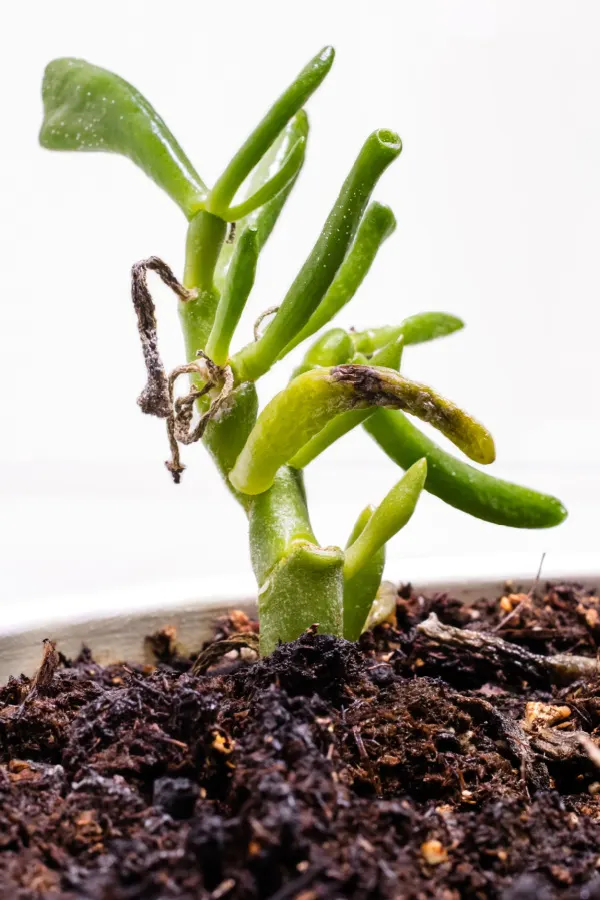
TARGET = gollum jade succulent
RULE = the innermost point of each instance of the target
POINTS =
(347, 377)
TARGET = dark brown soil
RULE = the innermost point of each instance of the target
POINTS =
(389, 769)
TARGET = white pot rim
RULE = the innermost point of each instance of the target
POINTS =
(233, 590)
(115, 624)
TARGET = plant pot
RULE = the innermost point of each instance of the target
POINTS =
(399, 767)
(115, 624)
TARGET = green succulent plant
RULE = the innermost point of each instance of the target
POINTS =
(346, 379)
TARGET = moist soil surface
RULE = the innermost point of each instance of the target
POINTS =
(398, 767)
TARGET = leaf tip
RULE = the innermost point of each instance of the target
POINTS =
(327, 55)
(390, 140)
(420, 469)
(559, 513)
(300, 122)
(486, 450)
(455, 324)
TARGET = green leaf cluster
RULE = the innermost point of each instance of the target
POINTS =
(347, 378)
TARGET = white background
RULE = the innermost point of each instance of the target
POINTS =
(497, 196)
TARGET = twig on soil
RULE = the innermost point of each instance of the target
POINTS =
(562, 667)
(214, 652)
(44, 675)
(533, 771)
(592, 749)
(42, 679)
(528, 596)
(292, 888)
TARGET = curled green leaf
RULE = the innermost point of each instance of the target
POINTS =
(360, 591)
(323, 262)
(267, 131)
(391, 515)
(89, 108)
(389, 356)
(459, 484)
(377, 224)
(299, 412)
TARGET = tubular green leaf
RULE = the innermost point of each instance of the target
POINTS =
(391, 515)
(331, 349)
(305, 588)
(390, 356)
(263, 136)
(377, 224)
(415, 330)
(304, 407)
(89, 108)
(277, 183)
(320, 268)
(361, 590)
(236, 291)
(459, 484)
(263, 219)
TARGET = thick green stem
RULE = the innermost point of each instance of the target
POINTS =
(278, 518)
(299, 582)
(305, 588)
(205, 237)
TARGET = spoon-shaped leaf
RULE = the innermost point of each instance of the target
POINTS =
(89, 108)
(390, 356)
